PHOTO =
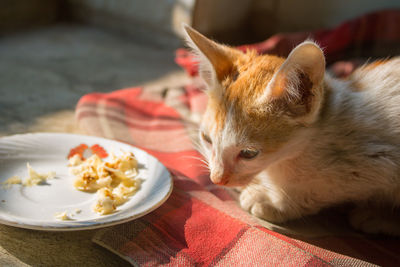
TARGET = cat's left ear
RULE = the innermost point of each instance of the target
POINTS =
(298, 82)
(216, 61)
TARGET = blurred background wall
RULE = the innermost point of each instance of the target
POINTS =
(25, 14)
(234, 22)
(254, 20)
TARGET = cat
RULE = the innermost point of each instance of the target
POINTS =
(296, 140)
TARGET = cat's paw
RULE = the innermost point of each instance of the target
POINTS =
(258, 204)
(372, 221)
(267, 212)
(247, 199)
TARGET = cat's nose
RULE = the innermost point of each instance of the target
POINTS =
(221, 182)
(219, 179)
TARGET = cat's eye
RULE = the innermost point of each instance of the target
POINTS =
(206, 138)
(248, 153)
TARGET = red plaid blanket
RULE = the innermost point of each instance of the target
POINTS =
(201, 224)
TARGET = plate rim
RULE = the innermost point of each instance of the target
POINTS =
(94, 225)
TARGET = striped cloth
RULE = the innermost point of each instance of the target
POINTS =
(202, 224)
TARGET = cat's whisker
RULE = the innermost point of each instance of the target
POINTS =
(201, 162)
(196, 158)
(192, 157)
(203, 170)
(197, 145)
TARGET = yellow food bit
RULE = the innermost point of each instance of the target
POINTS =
(35, 178)
(11, 181)
(122, 192)
(114, 181)
(75, 160)
(105, 203)
(62, 216)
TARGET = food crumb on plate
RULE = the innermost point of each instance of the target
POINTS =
(36, 178)
(11, 181)
(62, 216)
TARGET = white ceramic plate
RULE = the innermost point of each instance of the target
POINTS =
(34, 207)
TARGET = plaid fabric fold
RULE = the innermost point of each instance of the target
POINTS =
(202, 224)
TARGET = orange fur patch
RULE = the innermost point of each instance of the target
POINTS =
(242, 86)
(375, 64)
(254, 74)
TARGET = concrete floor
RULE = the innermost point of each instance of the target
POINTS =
(44, 72)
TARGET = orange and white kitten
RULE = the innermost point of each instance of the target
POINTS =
(296, 140)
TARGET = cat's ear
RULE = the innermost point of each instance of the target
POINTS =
(298, 82)
(215, 60)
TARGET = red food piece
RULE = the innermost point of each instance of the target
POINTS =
(99, 150)
(78, 150)
(94, 149)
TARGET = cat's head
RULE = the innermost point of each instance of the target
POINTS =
(258, 106)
